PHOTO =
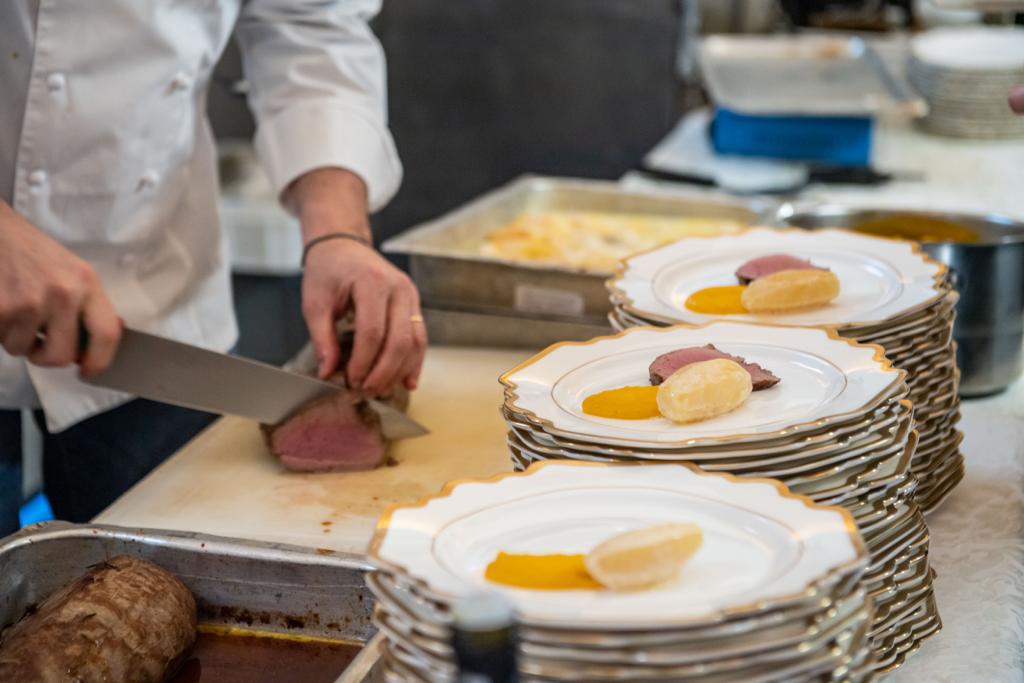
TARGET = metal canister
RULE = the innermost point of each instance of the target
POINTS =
(484, 638)
(989, 273)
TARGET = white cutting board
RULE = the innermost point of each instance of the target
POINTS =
(226, 483)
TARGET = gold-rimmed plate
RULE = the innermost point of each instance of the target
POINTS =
(888, 410)
(757, 632)
(825, 379)
(880, 279)
(447, 541)
(798, 457)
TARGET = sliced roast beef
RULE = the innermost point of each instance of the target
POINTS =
(336, 432)
(766, 265)
(667, 363)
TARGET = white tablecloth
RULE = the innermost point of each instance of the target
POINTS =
(977, 548)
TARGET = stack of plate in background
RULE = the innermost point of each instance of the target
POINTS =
(891, 294)
(774, 592)
(837, 428)
(965, 74)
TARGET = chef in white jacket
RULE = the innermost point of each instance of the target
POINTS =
(108, 212)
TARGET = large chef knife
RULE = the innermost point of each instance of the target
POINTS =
(172, 372)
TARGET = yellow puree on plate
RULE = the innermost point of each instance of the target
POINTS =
(717, 300)
(541, 572)
(624, 403)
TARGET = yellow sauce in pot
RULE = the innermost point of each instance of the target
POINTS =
(918, 228)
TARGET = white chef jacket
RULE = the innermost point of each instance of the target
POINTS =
(105, 145)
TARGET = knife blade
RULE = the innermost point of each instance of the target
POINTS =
(173, 372)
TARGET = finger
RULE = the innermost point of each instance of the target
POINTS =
(21, 337)
(411, 376)
(371, 306)
(319, 312)
(411, 373)
(104, 328)
(60, 346)
(1017, 99)
(397, 345)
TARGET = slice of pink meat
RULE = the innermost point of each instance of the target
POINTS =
(667, 363)
(766, 265)
(336, 432)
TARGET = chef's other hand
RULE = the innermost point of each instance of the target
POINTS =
(1017, 99)
(44, 288)
(348, 274)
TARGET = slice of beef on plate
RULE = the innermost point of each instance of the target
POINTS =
(668, 363)
(336, 432)
(766, 265)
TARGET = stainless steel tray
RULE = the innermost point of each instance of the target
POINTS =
(807, 74)
(447, 266)
(259, 586)
(504, 329)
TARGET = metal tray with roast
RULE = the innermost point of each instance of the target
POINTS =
(256, 611)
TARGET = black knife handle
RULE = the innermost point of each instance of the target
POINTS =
(83, 338)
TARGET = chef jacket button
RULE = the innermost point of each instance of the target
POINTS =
(127, 259)
(55, 82)
(181, 81)
(37, 178)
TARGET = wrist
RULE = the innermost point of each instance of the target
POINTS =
(338, 237)
(329, 200)
(322, 226)
(8, 216)
(326, 226)
(15, 226)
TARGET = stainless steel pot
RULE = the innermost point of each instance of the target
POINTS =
(990, 277)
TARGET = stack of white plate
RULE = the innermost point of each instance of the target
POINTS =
(965, 74)
(774, 593)
(837, 428)
(891, 294)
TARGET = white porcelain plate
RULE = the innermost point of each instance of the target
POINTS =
(878, 278)
(823, 378)
(762, 546)
(972, 49)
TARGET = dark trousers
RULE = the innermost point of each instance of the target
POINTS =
(89, 465)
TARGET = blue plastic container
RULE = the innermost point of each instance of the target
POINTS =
(839, 140)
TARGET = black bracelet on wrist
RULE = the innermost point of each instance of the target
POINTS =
(333, 236)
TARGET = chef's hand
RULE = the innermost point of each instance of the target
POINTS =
(344, 274)
(45, 288)
(1017, 99)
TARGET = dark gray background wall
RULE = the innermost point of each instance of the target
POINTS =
(484, 90)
